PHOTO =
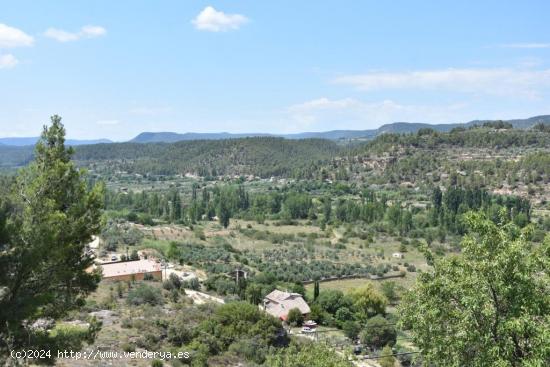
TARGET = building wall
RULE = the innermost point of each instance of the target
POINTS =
(138, 276)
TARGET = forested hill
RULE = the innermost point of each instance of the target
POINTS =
(260, 156)
(412, 127)
(491, 135)
(11, 156)
(271, 156)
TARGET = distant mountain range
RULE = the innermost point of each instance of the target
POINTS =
(396, 127)
(169, 137)
(20, 142)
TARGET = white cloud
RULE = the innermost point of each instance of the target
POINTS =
(92, 31)
(150, 111)
(209, 19)
(108, 122)
(324, 113)
(8, 61)
(308, 112)
(60, 35)
(88, 31)
(13, 37)
(324, 103)
(494, 81)
(526, 45)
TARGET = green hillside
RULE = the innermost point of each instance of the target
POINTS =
(261, 156)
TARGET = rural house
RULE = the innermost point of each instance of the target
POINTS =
(128, 270)
(279, 303)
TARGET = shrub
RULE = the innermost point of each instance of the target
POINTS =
(192, 283)
(128, 347)
(351, 329)
(144, 294)
(175, 281)
(389, 289)
(378, 332)
(387, 359)
(343, 314)
(411, 268)
(238, 321)
(134, 255)
(331, 300)
(308, 354)
(249, 349)
(316, 313)
(295, 317)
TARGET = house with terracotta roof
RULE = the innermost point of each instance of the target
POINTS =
(131, 270)
(279, 303)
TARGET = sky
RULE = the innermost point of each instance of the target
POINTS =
(113, 69)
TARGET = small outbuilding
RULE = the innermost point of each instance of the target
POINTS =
(397, 255)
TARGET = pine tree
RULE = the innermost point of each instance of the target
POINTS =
(327, 209)
(315, 290)
(223, 213)
(53, 217)
(176, 210)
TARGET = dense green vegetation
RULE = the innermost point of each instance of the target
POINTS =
(349, 227)
(490, 303)
(48, 215)
(486, 136)
(263, 157)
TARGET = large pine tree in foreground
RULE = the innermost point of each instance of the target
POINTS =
(49, 217)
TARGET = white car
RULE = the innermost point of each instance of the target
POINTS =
(306, 329)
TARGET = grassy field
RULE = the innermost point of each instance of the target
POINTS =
(348, 285)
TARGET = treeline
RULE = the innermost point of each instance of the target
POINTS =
(440, 217)
(477, 137)
(448, 207)
(269, 156)
(219, 202)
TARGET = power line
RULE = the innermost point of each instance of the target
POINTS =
(391, 355)
(370, 327)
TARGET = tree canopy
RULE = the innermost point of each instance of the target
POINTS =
(51, 215)
(368, 301)
(378, 332)
(488, 306)
(309, 354)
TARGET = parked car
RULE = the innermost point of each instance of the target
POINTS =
(310, 324)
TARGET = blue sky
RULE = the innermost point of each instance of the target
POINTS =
(116, 68)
